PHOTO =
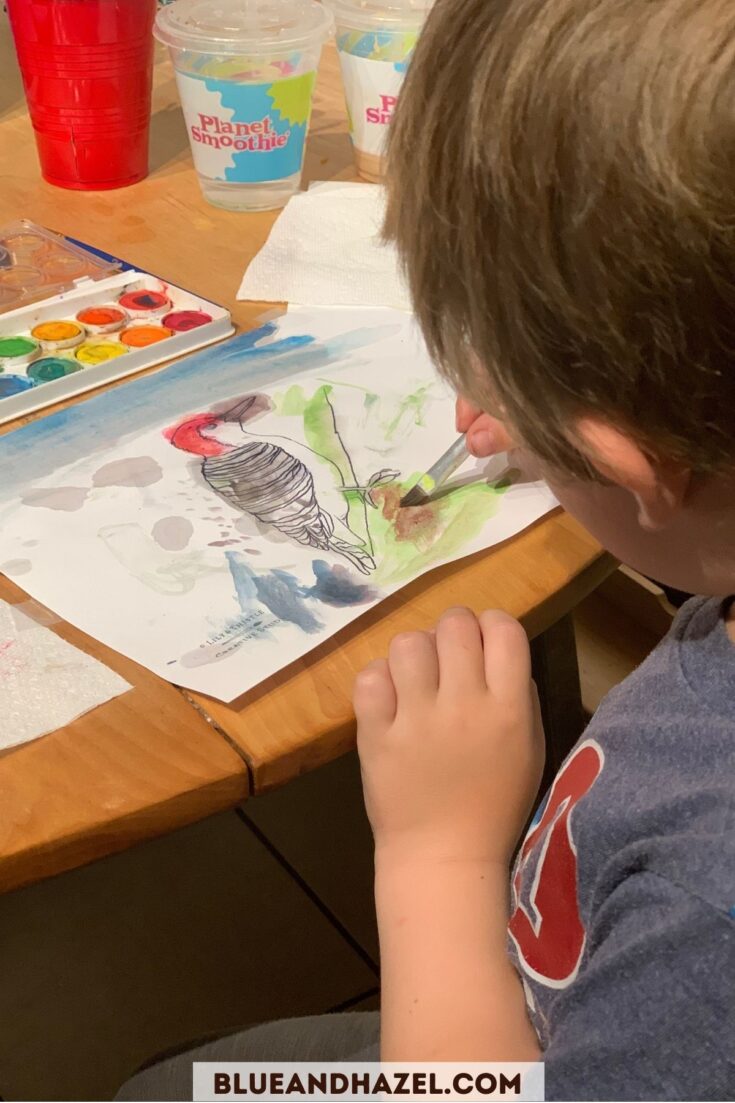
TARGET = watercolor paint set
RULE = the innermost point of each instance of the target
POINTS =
(69, 326)
(36, 263)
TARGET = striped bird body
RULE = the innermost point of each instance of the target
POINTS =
(266, 481)
(269, 482)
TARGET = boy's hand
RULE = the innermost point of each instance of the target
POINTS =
(485, 434)
(450, 740)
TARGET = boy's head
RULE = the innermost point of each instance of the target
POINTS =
(562, 193)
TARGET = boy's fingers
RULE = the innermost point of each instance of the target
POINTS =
(414, 667)
(374, 695)
(507, 655)
(465, 414)
(459, 647)
(486, 436)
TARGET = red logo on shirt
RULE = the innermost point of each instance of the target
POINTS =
(546, 926)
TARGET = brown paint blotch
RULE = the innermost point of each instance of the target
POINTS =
(132, 471)
(172, 533)
(417, 524)
(66, 498)
(16, 566)
(243, 409)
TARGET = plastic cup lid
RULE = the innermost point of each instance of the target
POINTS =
(242, 26)
(374, 14)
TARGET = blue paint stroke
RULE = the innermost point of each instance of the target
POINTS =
(248, 361)
(244, 581)
(280, 592)
(336, 586)
(283, 594)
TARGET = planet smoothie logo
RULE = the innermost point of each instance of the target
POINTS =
(243, 132)
(383, 114)
(255, 137)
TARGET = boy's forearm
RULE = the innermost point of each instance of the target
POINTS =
(449, 991)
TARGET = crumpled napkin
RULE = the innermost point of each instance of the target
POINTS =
(325, 250)
(45, 682)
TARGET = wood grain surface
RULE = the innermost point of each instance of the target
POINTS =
(137, 766)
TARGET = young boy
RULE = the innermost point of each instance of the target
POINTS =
(563, 197)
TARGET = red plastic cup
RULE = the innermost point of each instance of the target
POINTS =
(87, 67)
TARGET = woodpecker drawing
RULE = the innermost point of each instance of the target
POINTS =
(268, 478)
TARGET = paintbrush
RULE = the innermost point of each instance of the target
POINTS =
(437, 474)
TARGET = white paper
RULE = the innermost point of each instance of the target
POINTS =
(45, 682)
(325, 249)
(201, 520)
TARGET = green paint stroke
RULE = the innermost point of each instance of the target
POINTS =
(456, 518)
(459, 517)
(410, 410)
(320, 432)
(291, 403)
(291, 98)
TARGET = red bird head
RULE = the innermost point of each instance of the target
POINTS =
(189, 436)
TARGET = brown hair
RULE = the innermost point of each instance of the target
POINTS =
(562, 194)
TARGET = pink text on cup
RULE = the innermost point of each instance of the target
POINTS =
(381, 115)
(255, 137)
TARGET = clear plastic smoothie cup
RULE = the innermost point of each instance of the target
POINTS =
(375, 40)
(245, 71)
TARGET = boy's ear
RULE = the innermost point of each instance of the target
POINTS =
(658, 486)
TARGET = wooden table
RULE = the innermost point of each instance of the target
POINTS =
(158, 757)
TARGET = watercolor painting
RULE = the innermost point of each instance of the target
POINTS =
(266, 479)
(218, 519)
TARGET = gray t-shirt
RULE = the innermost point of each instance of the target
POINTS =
(623, 895)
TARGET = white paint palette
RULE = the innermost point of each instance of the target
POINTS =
(97, 331)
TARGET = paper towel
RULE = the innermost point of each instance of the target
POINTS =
(45, 682)
(325, 250)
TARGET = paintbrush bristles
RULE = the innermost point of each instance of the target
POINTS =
(415, 497)
(437, 474)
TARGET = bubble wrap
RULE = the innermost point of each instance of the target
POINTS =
(325, 250)
(45, 683)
